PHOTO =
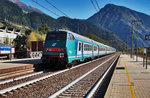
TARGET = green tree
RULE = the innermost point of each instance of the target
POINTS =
(27, 32)
(20, 42)
(98, 39)
(43, 29)
(66, 28)
(20, 46)
(6, 42)
(32, 37)
(41, 37)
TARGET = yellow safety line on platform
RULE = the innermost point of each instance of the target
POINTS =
(129, 82)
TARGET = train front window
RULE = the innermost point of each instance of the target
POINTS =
(70, 37)
(57, 35)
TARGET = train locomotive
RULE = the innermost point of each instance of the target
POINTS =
(64, 47)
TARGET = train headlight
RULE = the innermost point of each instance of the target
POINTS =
(61, 55)
(46, 49)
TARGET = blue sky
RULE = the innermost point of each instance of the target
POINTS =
(83, 9)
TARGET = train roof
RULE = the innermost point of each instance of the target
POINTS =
(80, 37)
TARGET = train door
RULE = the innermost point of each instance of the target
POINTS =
(82, 51)
(79, 50)
(92, 51)
(98, 50)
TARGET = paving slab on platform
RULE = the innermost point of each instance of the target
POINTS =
(18, 64)
(130, 79)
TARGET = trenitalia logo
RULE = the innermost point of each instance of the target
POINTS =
(54, 44)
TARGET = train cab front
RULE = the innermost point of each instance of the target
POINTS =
(54, 51)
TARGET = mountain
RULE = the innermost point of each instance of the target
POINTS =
(25, 7)
(13, 13)
(10, 12)
(118, 19)
(84, 28)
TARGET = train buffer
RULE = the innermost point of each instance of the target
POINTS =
(129, 80)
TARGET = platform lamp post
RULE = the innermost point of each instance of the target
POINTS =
(133, 21)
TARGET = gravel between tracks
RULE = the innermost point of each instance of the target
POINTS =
(49, 86)
(80, 89)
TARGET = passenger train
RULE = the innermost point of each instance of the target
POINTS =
(64, 47)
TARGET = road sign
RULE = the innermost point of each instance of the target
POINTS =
(144, 50)
(147, 37)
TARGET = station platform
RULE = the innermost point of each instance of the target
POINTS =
(17, 64)
(130, 79)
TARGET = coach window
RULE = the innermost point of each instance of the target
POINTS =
(84, 47)
(95, 48)
(91, 47)
(79, 46)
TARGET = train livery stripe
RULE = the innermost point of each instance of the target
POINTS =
(73, 56)
(80, 55)
(76, 47)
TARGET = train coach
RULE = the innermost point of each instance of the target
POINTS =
(64, 47)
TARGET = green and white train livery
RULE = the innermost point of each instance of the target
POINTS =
(64, 47)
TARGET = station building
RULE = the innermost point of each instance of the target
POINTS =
(9, 33)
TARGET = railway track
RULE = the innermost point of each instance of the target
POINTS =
(81, 86)
(49, 83)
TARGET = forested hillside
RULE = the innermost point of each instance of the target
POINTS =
(10, 12)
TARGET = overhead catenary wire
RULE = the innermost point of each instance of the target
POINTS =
(94, 5)
(44, 7)
(56, 7)
(97, 5)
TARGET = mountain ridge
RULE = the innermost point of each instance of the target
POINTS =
(118, 19)
(25, 7)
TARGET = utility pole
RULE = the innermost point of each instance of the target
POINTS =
(136, 49)
(133, 21)
(132, 42)
(127, 45)
(37, 41)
